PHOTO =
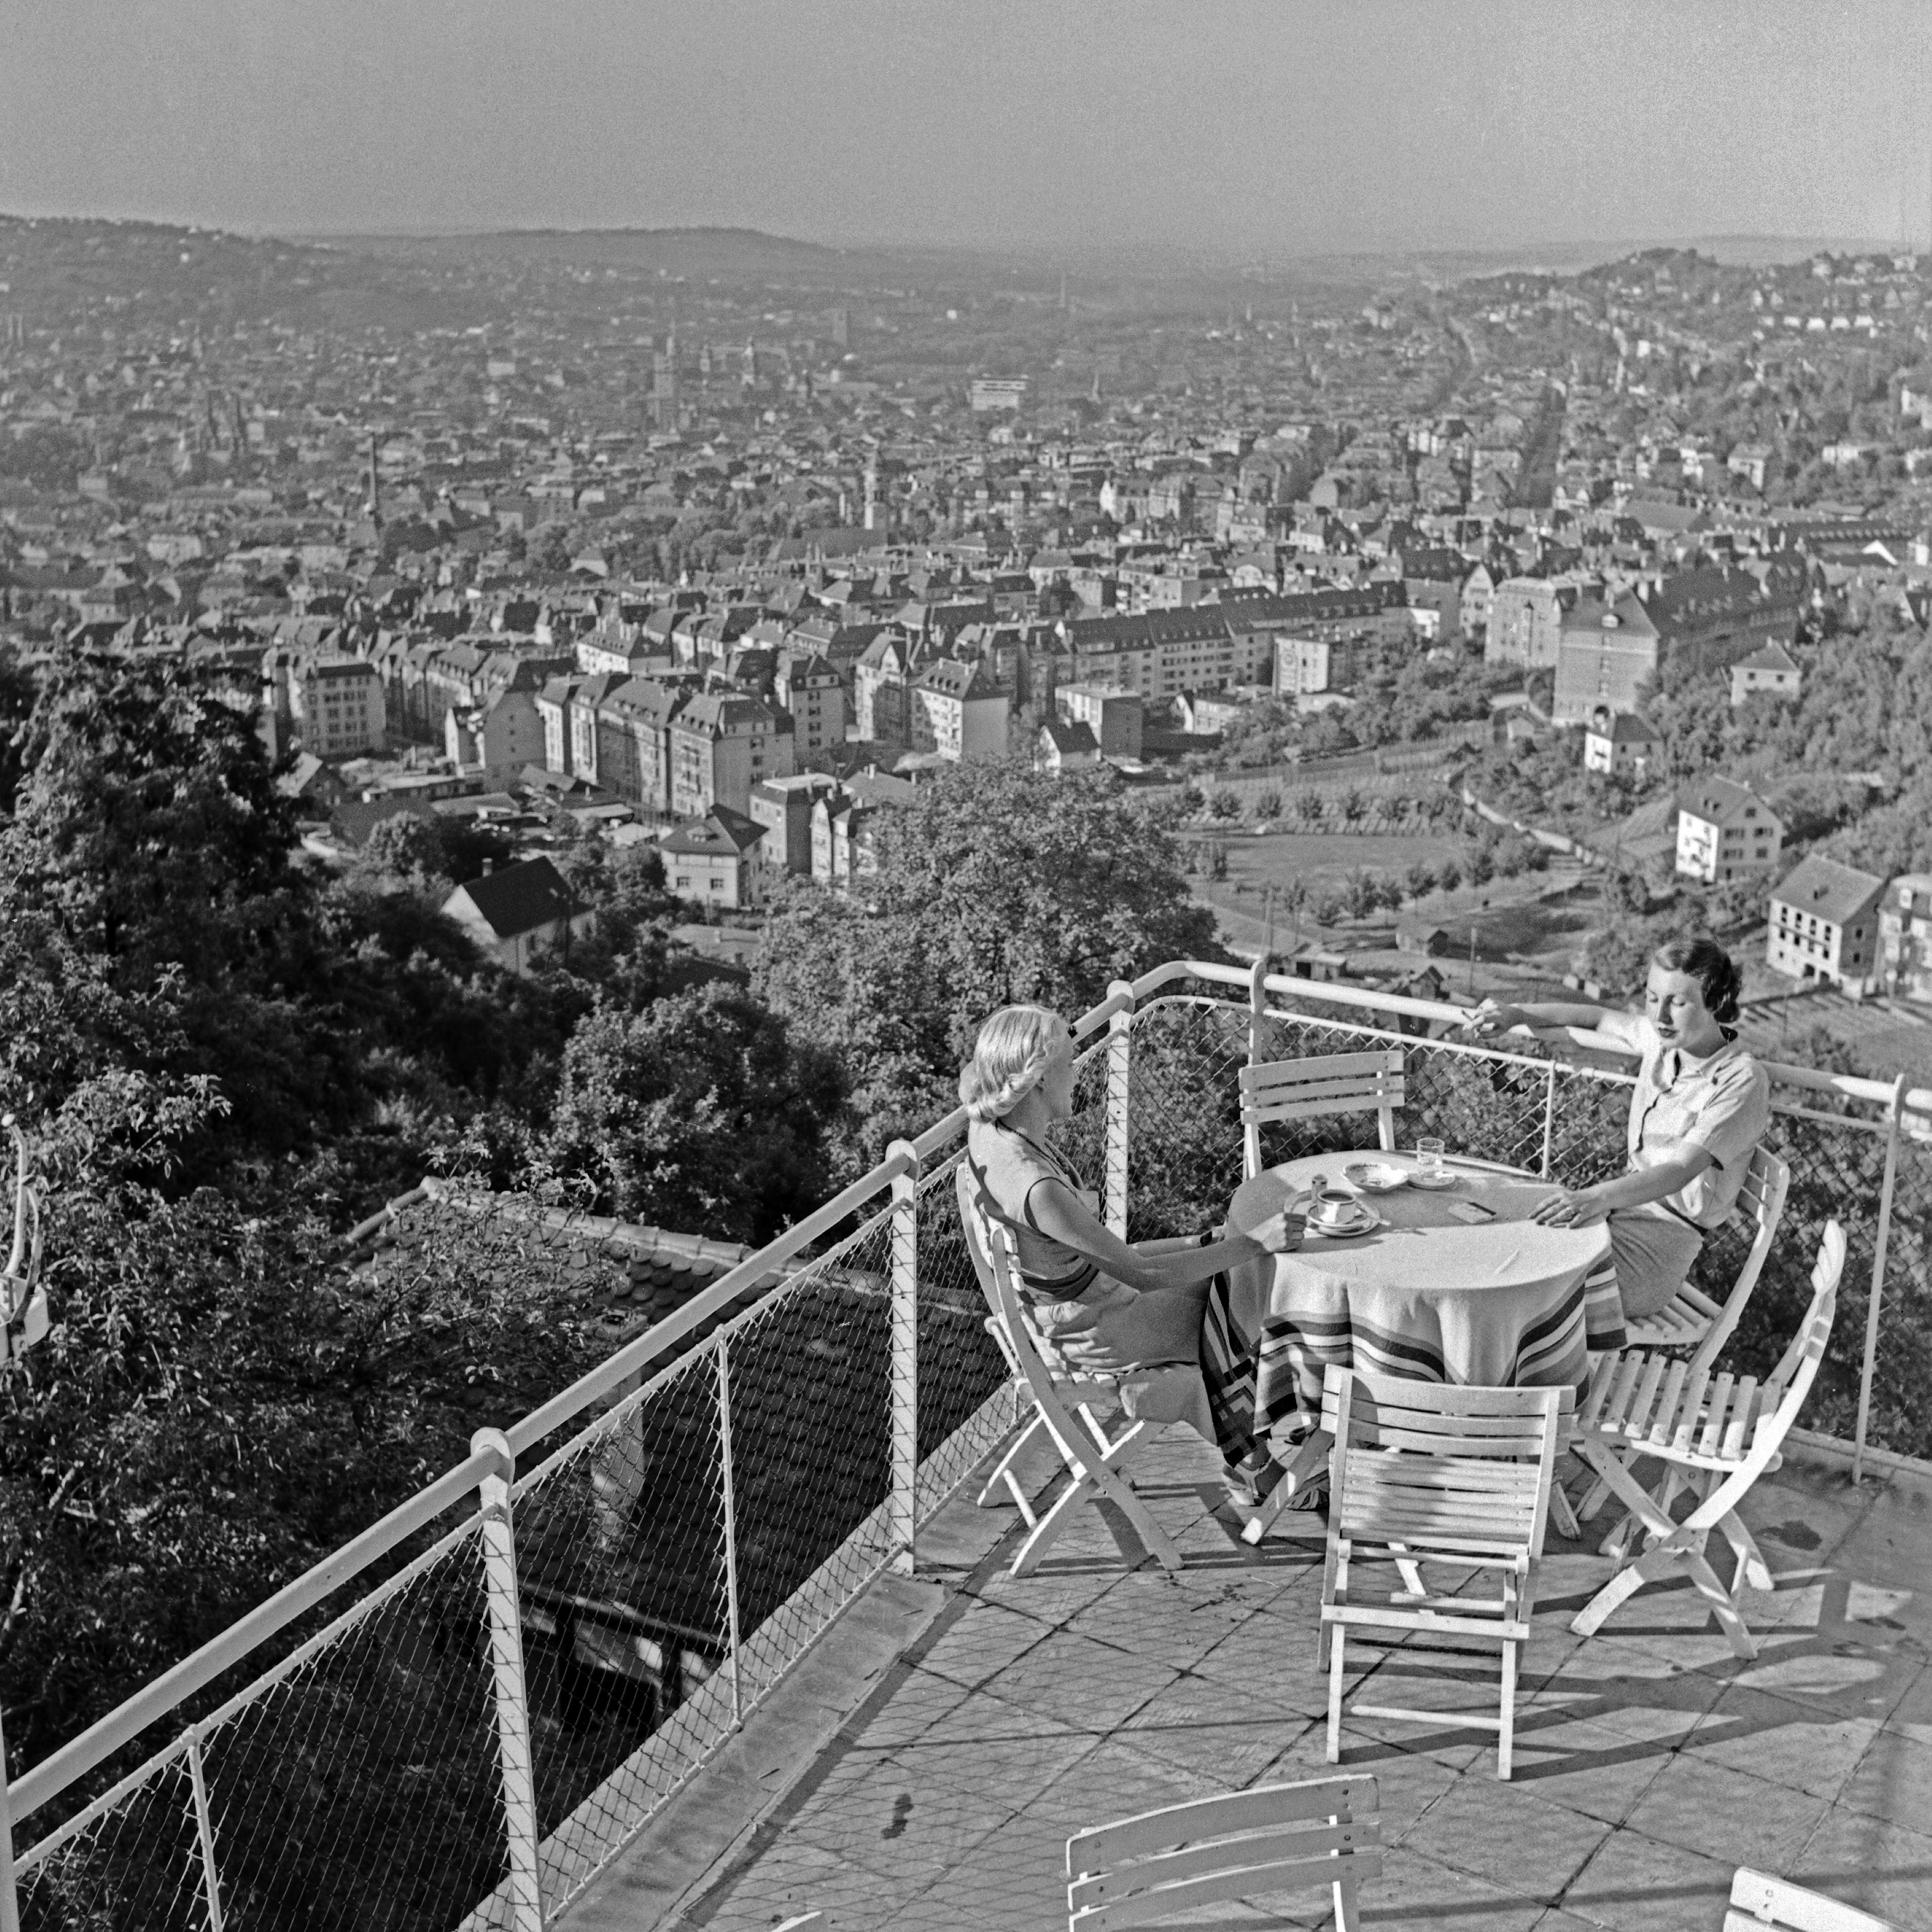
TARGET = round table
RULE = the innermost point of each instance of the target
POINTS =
(1498, 1304)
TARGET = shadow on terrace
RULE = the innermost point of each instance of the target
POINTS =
(719, 1637)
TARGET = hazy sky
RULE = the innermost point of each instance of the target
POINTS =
(1261, 126)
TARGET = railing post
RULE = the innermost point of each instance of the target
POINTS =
(204, 1829)
(730, 1496)
(1120, 1050)
(1894, 1114)
(506, 1659)
(10, 1904)
(904, 1508)
(1549, 1121)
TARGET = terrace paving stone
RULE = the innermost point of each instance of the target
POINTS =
(1650, 1761)
(1878, 1864)
(1522, 1844)
(1634, 1883)
(1707, 1807)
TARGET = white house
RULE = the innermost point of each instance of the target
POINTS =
(1823, 924)
(518, 914)
(1769, 669)
(1725, 831)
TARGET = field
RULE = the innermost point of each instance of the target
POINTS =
(1526, 928)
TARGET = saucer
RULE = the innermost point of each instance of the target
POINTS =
(1376, 1177)
(1422, 1178)
(1358, 1223)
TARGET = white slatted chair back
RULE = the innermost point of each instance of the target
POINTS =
(1759, 1901)
(1722, 1432)
(1424, 1474)
(1276, 1839)
(1304, 1090)
(1693, 1318)
(1476, 1475)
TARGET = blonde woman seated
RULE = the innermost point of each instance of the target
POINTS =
(1097, 1302)
(1701, 1104)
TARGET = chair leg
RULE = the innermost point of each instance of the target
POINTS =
(1347, 1912)
(1562, 1517)
(1310, 1456)
(1752, 1568)
(1000, 1477)
(1091, 1477)
(1506, 1737)
(1338, 1642)
(1723, 1605)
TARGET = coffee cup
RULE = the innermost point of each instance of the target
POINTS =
(1331, 1206)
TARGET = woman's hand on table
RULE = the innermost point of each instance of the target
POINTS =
(1570, 1207)
(1280, 1233)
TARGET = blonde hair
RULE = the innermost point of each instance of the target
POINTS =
(1008, 1058)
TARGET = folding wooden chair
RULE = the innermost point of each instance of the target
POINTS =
(1693, 1317)
(1470, 1488)
(1325, 1835)
(1304, 1090)
(1758, 1900)
(1693, 1320)
(1058, 1393)
(1719, 1432)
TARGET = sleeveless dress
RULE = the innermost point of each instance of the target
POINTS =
(1085, 1317)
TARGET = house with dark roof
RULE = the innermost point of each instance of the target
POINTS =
(714, 859)
(1063, 744)
(1618, 741)
(517, 914)
(1769, 671)
(1823, 924)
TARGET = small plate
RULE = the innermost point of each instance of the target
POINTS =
(1376, 1177)
(1365, 1223)
(1422, 1176)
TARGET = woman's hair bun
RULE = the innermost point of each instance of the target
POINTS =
(1718, 976)
(1009, 1058)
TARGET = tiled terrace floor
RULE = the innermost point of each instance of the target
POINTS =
(1650, 1762)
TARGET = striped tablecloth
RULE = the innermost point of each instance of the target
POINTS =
(1498, 1305)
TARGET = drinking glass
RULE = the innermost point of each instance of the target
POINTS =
(1429, 1156)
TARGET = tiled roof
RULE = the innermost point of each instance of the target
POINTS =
(518, 898)
(1827, 890)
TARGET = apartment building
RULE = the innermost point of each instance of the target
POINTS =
(811, 692)
(723, 744)
(336, 707)
(1905, 936)
(1823, 924)
(955, 708)
(1117, 719)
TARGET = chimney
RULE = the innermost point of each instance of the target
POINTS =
(489, 865)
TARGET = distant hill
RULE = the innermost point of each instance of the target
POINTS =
(694, 254)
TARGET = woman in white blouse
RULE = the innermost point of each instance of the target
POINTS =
(1701, 1104)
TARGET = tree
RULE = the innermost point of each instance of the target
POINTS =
(995, 886)
(1419, 879)
(697, 1113)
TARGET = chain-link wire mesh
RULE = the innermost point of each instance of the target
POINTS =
(811, 1377)
(137, 1862)
(363, 1786)
(620, 1556)
(357, 1784)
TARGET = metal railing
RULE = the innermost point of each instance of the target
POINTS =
(542, 1647)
